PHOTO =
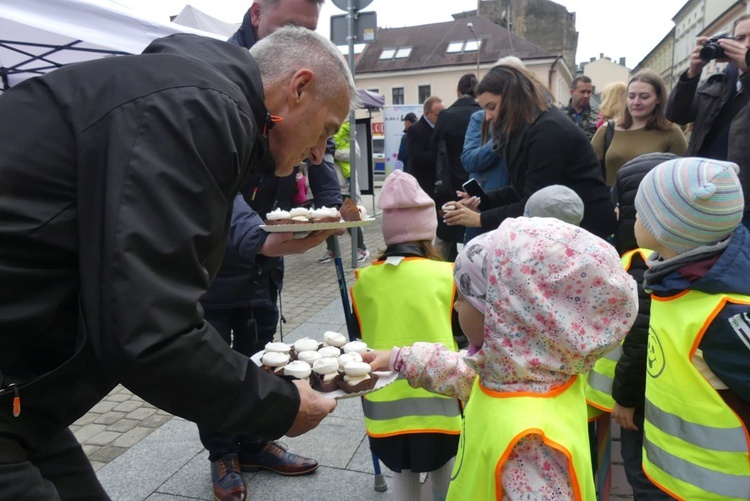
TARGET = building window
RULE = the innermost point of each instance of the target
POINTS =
(463, 46)
(398, 95)
(425, 91)
(387, 53)
(397, 53)
(471, 46)
(403, 52)
(455, 47)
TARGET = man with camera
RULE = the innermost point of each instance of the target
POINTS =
(718, 108)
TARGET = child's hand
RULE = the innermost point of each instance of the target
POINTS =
(378, 359)
(624, 416)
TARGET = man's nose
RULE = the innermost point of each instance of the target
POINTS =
(317, 152)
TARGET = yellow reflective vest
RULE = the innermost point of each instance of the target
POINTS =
(397, 306)
(494, 422)
(599, 379)
(694, 445)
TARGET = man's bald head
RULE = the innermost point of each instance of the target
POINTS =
(268, 16)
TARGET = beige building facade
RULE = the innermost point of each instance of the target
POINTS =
(604, 71)
(660, 59)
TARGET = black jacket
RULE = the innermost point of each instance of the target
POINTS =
(118, 181)
(451, 128)
(244, 277)
(629, 385)
(552, 150)
(421, 155)
(689, 102)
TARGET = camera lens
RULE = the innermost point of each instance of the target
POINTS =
(710, 51)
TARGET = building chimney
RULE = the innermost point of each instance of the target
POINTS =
(622, 61)
(592, 59)
(601, 55)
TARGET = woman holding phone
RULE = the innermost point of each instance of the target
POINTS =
(541, 147)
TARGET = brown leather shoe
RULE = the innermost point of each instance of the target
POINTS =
(227, 480)
(276, 458)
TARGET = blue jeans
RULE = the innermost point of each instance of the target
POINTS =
(632, 457)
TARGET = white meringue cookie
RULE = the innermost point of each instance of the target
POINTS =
(331, 338)
(279, 347)
(306, 344)
(274, 359)
(349, 357)
(298, 369)
(309, 356)
(355, 346)
(329, 352)
(326, 366)
(357, 369)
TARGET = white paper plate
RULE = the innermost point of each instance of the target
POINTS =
(384, 379)
(308, 227)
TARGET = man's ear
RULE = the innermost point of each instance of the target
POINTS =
(301, 85)
(255, 9)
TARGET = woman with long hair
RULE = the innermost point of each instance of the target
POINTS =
(541, 147)
(641, 129)
(613, 102)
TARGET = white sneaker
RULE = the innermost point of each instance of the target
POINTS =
(363, 255)
(328, 257)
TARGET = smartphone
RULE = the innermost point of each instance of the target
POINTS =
(473, 188)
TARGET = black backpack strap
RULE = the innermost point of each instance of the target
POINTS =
(608, 135)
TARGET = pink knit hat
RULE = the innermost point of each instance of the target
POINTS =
(408, 212)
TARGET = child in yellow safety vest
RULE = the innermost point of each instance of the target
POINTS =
(697, 406)
(539, 301)
(406, 296)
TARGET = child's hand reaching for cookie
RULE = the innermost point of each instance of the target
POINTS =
(378, 359)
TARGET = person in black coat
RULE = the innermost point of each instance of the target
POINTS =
(448, 138)
(242, 303)
(629, 383)
(118, 181)
(541, 147)
(422, 157)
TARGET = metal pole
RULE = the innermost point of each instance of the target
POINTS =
(350, 17)
(479, 45)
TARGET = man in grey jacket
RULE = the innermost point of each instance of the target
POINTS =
(118, 181)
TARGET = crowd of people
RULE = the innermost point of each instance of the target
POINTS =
(541, 263)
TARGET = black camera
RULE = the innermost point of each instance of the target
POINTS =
(711, 49)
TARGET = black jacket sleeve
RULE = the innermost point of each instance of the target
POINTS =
(629, 385)
(542, 162)
(682, 107)
(173, 165)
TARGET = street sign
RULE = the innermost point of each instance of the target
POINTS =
(358, 4)
(365, 28)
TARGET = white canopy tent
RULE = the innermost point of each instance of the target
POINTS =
(194, 18)
(37, 36)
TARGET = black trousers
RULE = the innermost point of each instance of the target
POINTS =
(247, 330)
(57, 471)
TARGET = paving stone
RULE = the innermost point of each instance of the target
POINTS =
(118, 397)
(107, 454)
(132, 437)
(88, 431)
(123, 425)
(103, 438)
(96, 465)
(141, 413)
(156, 420)
(87, 418)
(128, 406)
(110, 417)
